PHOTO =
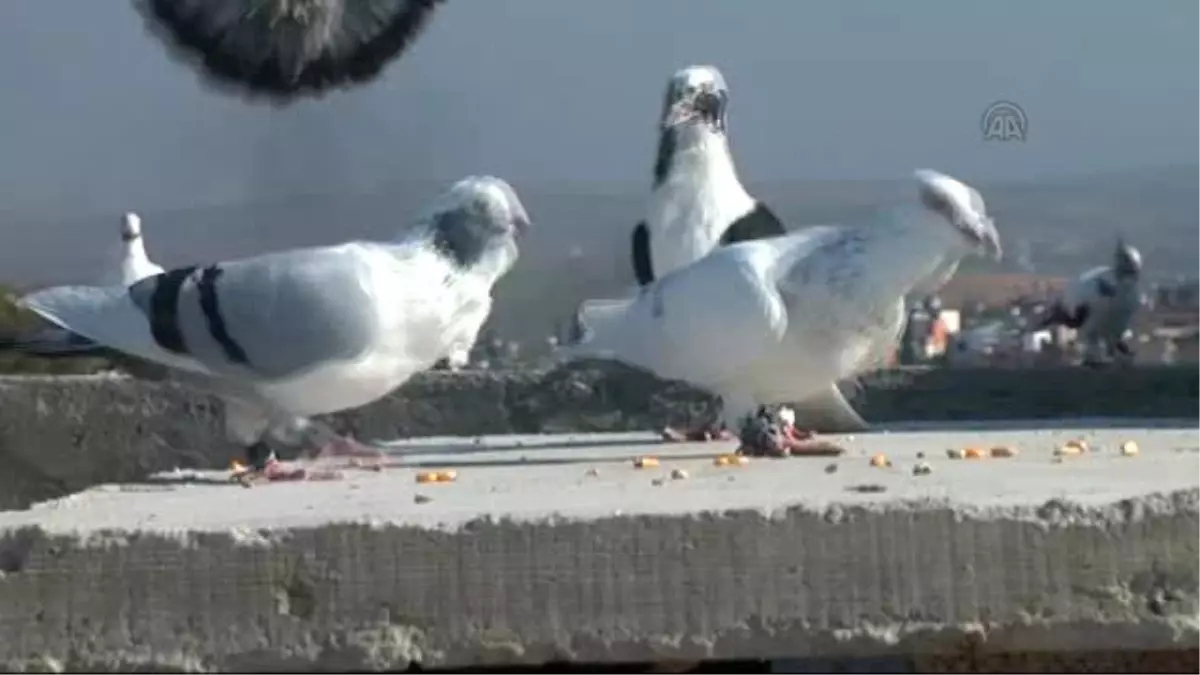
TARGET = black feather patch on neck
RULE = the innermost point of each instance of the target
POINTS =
(457, 237)
(664, 156)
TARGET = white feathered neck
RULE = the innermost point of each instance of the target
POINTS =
(696, 202)
(906, 249)
(131, 264)
(495, 257)
(701, 160)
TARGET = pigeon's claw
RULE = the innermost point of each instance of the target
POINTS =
(275, 472)
(769, 434)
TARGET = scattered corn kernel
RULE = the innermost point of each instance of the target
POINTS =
(974, 453)
(437, 476)
(880, 460)
(1069, 448)
(679, 474)
(922, 469)
(1004, 451)
(731, 460)
(1129, 448)
(645, 462)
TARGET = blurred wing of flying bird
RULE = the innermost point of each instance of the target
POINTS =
(284, 50)
(285, 336)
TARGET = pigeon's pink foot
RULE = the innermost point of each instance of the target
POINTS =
(359, 454)
(697, 435)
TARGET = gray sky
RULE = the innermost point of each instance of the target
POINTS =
(96, 117)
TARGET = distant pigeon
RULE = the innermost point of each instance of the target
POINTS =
(287, 49)
(774, 321)
(697, 202)
(127, 264)
(1100, 305)
(285, 336)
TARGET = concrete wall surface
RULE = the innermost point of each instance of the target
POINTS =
(540, 563)
(62, 434)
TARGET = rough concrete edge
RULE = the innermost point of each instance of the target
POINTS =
(388, 645)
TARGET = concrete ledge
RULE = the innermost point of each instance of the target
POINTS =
(63, 434)
(548, 562)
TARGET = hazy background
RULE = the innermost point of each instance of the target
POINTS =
(833, 101)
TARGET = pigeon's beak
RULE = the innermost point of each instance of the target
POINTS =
(520, 221)
(710, 105)
(684, 110)
(705, 104)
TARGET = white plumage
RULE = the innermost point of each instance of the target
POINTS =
(777, 320)
(302, 332)
(697, 201)
(698, 195)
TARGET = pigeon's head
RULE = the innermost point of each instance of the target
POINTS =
(131, 227)
(1127, 261)
(696, 96)
(477, 215)
(962, 208)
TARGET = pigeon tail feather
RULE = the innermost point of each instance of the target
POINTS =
(597, 323)
(105, 315)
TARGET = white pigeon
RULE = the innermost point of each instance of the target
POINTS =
(127, 264)
(697, 203)
(776, 320)
(1101, 304)
(288, 335)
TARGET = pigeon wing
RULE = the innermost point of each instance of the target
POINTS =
(643, 267)
(703, 323)
(270, 317)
